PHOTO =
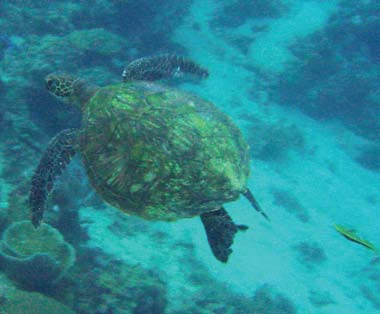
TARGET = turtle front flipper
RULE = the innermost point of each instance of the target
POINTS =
(55, 159)
(220, 230)
(160, 67)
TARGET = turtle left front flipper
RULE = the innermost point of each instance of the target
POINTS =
(220, 230)
(160, 67)
(55, 159)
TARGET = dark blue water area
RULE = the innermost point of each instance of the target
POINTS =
(296, 121)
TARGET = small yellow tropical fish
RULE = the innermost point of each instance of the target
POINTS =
(351, 235)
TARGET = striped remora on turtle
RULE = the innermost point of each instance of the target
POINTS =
(151, 151)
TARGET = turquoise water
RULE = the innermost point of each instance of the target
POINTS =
(300, 80)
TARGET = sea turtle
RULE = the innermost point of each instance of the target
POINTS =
(150, 150)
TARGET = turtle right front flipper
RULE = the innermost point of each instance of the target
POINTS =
(161, 67)
(55, 159)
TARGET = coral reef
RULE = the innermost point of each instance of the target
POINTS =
(44, 54)
(147, 23)
(94, 39)
(334, 72)
(16, 301)
(42, 16)
(36, 258)
(21, 302)
(101, 284)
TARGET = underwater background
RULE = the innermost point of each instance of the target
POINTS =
(301, 80)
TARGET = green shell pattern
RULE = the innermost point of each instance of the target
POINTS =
(160, 153)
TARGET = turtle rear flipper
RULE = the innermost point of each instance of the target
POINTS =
(55, 159)
(249, 196)
(160, 67)
(220, 230)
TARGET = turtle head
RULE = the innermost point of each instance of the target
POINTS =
(70, 89)
(60, 84)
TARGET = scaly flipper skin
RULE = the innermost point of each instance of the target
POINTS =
(55, 159)
(220, 230)
(160, 67)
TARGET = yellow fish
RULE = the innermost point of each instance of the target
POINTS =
(351, 235)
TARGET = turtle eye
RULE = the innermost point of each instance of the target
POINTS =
(50, 84)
